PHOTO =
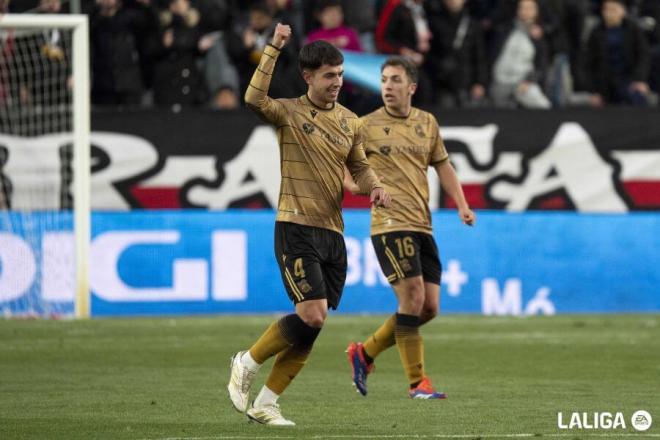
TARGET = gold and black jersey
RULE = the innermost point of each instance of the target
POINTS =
(315, 143)
(400, 150)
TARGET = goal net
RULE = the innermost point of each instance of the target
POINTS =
(44, 165)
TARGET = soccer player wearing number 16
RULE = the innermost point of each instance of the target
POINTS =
(401, 142)
(317, 138)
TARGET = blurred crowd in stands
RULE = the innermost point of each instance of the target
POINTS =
(471, 53)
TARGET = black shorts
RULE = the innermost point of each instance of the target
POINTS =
(406, 254)
(312, 262)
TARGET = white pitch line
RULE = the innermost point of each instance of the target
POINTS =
(577, 434)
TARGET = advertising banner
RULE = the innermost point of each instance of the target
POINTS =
(201, 262)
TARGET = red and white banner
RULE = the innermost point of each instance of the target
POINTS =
(584, 160)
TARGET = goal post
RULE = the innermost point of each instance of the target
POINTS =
(77, 104)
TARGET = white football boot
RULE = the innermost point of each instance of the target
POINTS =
(268, 414)
(240, 382)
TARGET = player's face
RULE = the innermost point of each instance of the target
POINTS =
(325, 82)
(395, 87)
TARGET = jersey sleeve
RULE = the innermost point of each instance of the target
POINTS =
(438, 150)
(256, 95)
(357, 164)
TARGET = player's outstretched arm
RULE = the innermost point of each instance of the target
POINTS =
(450, 183)
(256, 95)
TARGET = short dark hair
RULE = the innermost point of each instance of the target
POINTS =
(260, 6)
(317, 53)
(623, 3)
(323, 4)
(408, 66)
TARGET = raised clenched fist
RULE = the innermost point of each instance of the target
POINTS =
(282, 35)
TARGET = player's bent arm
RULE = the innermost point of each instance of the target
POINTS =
(450, 183)
(366, 179)
(357, 165)
(359, 169)
(256, 95)
(349, 184)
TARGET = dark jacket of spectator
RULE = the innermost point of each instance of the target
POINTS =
(215, 15)
(457, 59)
(177, 80)
(360, 15)
(611, 67)
(651, 9)
(115, 55)
(395, 29)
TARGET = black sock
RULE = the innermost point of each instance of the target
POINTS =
(367, 358)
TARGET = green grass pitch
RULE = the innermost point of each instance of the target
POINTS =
(165, 379)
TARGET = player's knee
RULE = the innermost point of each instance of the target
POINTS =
(428, 313)
(315, 318)
(415, 295)
(315, 321)
(300, 333)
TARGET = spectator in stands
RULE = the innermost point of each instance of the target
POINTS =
(521, 61)
(115, 33)
(547, 18)
(457, 62)
(331, 16)
(34, 62)
(358, 14)
(571, 18)
(215, 15)
(177, 79)
(404, 30)
(649, 11)
(290, 12)
(617, 63)
(361, 16)
(221, 75)
(246, 44)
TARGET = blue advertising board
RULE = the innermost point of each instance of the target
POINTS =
(201, 262)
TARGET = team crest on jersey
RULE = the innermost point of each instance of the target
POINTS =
(419, 130)
(343, 123)
(386, 130)
(385, 150)
(313, 113)
(405, 265)
(308, 128)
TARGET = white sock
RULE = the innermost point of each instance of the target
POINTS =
(266, 396)
(249, 362)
